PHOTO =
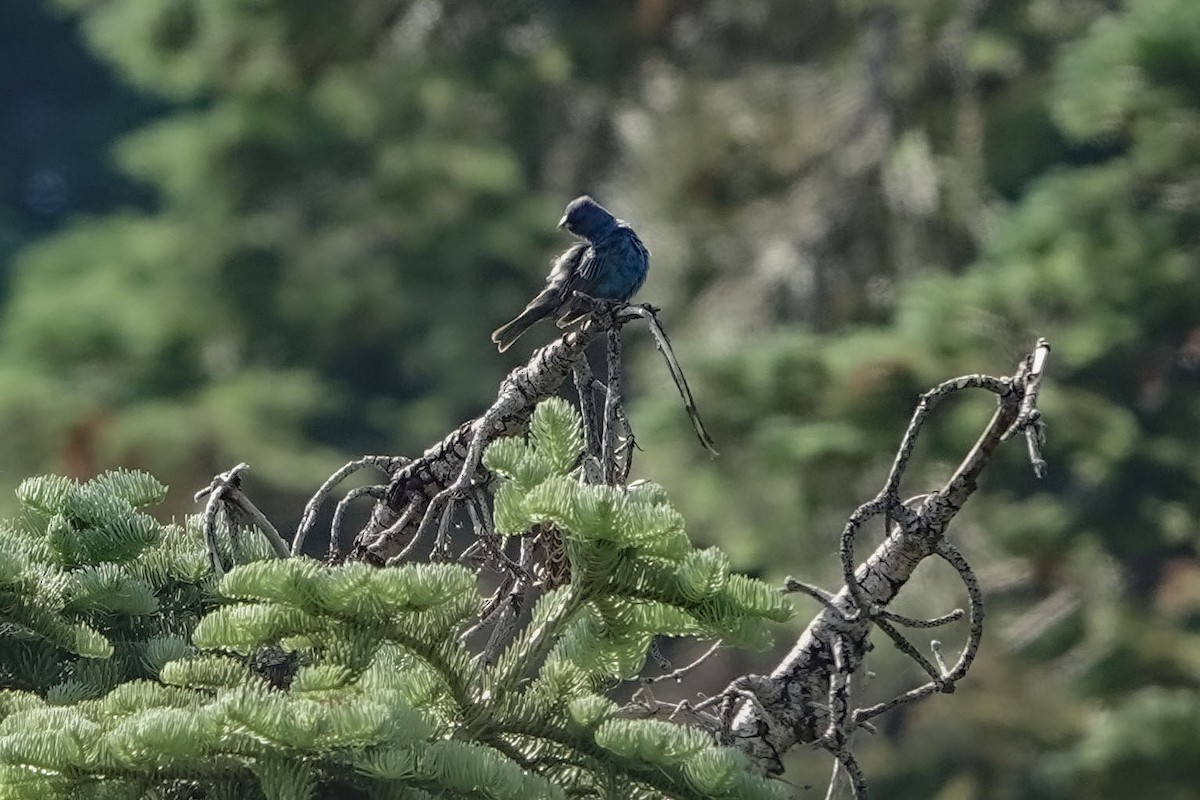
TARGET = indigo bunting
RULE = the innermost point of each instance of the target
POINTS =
(609, 264)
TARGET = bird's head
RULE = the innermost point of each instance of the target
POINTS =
(587, 218)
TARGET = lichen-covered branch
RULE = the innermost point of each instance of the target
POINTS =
(806, 699)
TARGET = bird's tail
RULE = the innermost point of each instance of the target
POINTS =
(510, 331)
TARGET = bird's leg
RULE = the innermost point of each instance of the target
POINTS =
(604, 312)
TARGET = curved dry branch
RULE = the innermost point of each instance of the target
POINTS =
(385, 464)
(650, 314)
(334, 553)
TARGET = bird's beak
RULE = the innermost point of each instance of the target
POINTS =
(562, 223)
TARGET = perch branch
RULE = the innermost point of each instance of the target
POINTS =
(430, 488)
(448, 469)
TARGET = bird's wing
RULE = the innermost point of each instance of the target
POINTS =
(567, 270)
(561, 280)
(591, 267)
(584, 275)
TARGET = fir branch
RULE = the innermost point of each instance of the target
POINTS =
(558, 610)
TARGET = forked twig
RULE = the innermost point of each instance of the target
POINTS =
(684, 670)
(225, 493)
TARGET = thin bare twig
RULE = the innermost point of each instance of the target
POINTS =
(334, 553)
(912, 622)
(511, 606)
(612, 399)
(955, 558)
(584, 380)
(684, 670)
(663, 343)
(858, 781)
(400, 524)
(907, 647)
(1029, 420)
(826, 599)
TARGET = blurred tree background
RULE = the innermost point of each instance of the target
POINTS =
(280, 232)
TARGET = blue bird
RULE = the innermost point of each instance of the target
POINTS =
(609, 264)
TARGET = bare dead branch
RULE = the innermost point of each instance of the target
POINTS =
(225, 493)
(907, 647)
(684, 670)
(643, 705)
(1029, 420)
(584, 384)
(452, 466)
(911, 622)
(975, 632)
(765, 716)
(612, 398)
(858, 781)
(334, 553)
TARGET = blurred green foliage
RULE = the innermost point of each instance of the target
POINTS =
(847, 201)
